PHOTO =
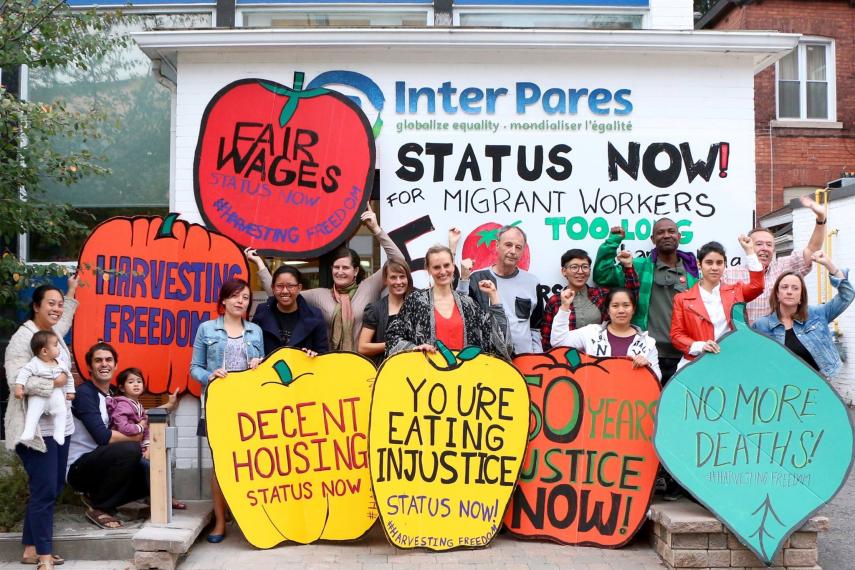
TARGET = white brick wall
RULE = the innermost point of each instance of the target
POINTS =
(186, 419)
(840, 213)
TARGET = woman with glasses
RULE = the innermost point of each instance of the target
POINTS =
(343, 305)
(286, 319)
(588, 303)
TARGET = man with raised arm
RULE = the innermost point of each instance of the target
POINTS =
(665, 273)
(798, 262)
(517, 289)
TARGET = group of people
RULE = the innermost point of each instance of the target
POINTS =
(99, 446)
(662, 311)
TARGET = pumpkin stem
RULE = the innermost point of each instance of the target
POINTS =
(284, 372)
(165, 230)
(573, 358)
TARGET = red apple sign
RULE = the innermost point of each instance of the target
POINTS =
(283, 170)
(480, 246)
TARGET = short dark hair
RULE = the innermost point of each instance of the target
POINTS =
(711, 247)
(354, 260)
(614, 291)
(123, 377)
(100, 345)
(574, 254)
(232, 287)
(40, 340)
(39, 295)
(290, 270)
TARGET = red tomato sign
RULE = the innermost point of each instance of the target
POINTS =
(590, 465)
(146, 284)
(283, 170)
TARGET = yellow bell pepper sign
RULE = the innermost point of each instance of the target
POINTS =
(448, 435)
(289, 442)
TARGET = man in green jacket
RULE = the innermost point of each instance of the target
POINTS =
(666, 272)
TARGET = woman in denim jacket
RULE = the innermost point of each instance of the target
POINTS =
(226, 344)
(802, 328)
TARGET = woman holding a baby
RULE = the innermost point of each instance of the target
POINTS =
(44, 382)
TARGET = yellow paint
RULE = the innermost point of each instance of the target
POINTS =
(320, 422)
(443, 515)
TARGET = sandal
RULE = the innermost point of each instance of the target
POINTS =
(103, 519)
(46, 565)
(57, 559)
(178, 505)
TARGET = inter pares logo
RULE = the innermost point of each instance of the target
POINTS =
(451, 99)
(363, 84)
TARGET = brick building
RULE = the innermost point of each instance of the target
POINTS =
(804, 105)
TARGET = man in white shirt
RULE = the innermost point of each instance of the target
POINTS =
(517, 289)
(764, 245)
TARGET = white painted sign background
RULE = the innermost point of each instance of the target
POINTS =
(675, 99)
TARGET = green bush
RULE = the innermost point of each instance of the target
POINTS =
(13, 491)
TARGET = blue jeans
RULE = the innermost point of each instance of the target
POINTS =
(46, 478)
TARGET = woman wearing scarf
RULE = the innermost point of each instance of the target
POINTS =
(343, 305)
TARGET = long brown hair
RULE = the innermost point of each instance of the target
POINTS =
(775, 305)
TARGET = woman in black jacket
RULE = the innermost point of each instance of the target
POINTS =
(381, 314)
(286, 319)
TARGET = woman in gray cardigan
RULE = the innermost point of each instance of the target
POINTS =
(344, 304)
(43, 459)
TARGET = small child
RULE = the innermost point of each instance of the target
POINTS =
(46, 364)
(127, 415)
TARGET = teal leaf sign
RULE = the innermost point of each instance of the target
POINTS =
(756, 435)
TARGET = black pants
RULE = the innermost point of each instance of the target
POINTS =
(110, 475)
(668, 366)
(45, 477)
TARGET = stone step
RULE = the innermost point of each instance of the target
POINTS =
(76, 538)
(686, 535)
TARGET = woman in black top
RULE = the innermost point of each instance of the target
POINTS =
(286, 319)
(381, 314)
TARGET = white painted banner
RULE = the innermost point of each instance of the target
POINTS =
(566, 147)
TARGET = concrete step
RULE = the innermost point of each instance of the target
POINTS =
(160, 546)
(76, 538)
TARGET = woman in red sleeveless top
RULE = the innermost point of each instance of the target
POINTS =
(440, 313)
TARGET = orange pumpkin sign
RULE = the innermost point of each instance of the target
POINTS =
(590, 465)
(147, 283)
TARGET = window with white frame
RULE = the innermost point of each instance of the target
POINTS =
(334, 16)
(806, 86)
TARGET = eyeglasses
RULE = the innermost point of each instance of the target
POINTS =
(289, 286)
(577, 268)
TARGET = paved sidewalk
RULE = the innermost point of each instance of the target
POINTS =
(373, 551)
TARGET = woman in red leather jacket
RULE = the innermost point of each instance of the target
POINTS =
(702, 314)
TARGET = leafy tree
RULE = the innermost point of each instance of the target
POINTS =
(35, 137)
